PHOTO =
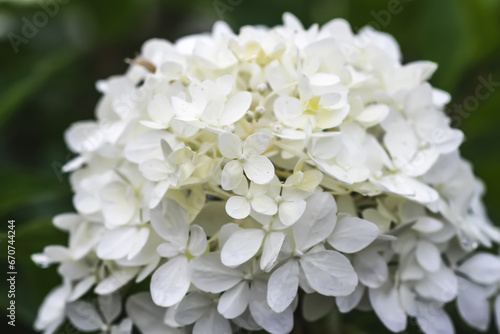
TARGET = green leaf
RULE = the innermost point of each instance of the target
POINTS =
(38, 73)
(23, 186)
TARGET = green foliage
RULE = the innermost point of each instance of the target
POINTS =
(49, 83)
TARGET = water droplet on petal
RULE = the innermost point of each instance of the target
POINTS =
(470, 245)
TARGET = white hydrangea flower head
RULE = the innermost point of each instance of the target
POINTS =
(238, 173)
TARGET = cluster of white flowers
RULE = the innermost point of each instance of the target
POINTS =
(240, 176)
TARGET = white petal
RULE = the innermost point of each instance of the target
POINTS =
(346, 172)
(84, 136)
(352, 234)
(53, 307)
(160, 109)
(310, 180)
(234, 301)
(84, 316)
(324, 79)
(277, 78)
(270, 251)
(329, 273)
(304, 284)
(197, 241)
(373, 215)
(230, 145)
(482, 268)
(317, 222)
(401, 141)
(232, 175)
(116, 280)
(373, 114)
(272, 189)
(411, 270)
(148, 269)
(74, 164)
(290, 212)
(335, 100)
(283, 285)
(185, 110)
(259, 169)
(158, 193)
(124, 327)
(67, 221)
(428, 255)
(432, 319)
(348, 303)
(110, 306)
(85, 203)
(238, 207)
(286, 107)
(473, 305)
(409, 187)
(74, 269)
(275, 323)
(371, 268)
(147, 316)
(170, 282)
(82, 287)
(210, 275)
(226, 231)
(171, 221)
(407, 299)
(155, 169)
(256, 144)
(166, 149)
(235, 108)
(147, 146)
(246, 321)
(212, 323)
(264, 204)
(213, 111)
(83, 238)
(194, 306)
(385, 303)
(57, 253)
(116, 243)
(441, 285)
(139, 243)
(168, 250)
(427, 225)
(325, 146)
(153, 125)
(241, 246)
(169, 318)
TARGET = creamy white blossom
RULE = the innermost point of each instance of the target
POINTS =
(233, 171)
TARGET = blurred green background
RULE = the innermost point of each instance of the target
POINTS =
(48, 75)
